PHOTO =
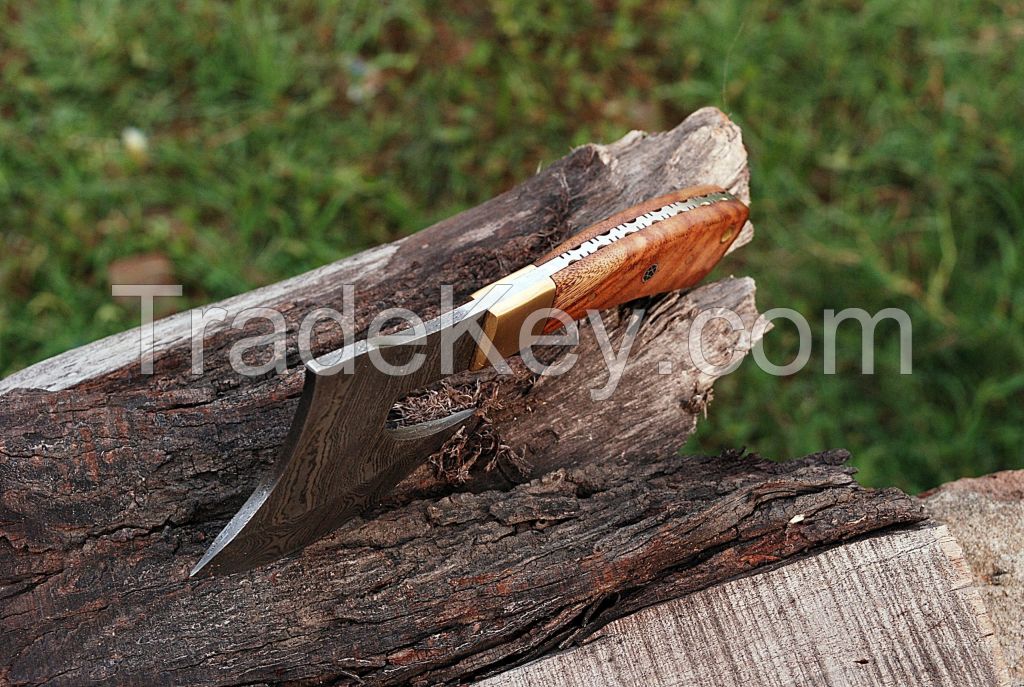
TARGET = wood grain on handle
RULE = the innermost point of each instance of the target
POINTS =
(671, 254)
(666, 243)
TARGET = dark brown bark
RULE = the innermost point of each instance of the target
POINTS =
(114, 482)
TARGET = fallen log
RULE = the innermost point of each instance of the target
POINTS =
(557, 515)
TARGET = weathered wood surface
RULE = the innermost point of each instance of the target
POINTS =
(896, 610)
(986, 515)
(436, 591)
(115, 482)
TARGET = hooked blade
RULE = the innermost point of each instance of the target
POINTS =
(339, 456)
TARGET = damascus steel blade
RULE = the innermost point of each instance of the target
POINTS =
(339, 456)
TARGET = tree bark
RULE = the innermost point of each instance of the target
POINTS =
(556, 515)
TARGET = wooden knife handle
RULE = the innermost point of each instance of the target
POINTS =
(670, 254)
(666, 243)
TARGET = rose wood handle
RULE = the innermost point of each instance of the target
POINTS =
(664, 244)
(688, 233)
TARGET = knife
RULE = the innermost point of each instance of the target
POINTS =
(340, 457)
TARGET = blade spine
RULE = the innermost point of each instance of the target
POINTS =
(359, 348)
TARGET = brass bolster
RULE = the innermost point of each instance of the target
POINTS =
(506, 317)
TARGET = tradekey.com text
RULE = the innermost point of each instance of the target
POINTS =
(266, 352)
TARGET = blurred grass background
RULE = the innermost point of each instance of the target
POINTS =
(884, 136)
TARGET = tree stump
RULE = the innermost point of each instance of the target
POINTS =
(556, 516)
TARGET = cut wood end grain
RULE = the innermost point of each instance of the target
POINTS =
(986, 516)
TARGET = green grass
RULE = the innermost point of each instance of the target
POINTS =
(884, 140)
